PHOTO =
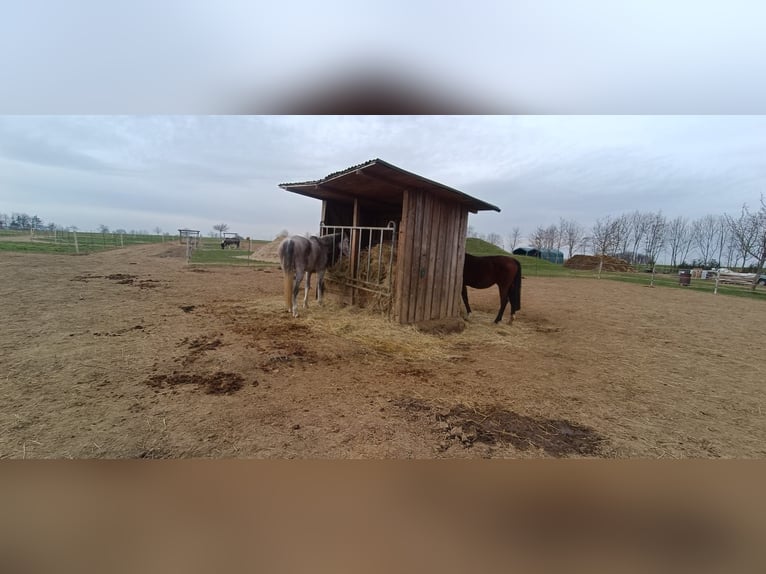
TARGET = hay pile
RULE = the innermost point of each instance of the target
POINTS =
(591, 263)
(373, 274)
(378, 335)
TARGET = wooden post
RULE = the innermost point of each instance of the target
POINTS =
(355, 239)
(121, 243)
(76, 247)
(402, 274)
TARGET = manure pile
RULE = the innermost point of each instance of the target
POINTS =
(591, 263)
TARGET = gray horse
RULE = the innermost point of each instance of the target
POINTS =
(299, 255)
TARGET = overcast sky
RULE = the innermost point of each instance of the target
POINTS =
(142, 172)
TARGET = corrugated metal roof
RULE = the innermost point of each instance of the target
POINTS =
(379, 181)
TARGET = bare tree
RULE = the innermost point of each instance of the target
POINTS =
(749, 232)
(585, 244)
(731, 247)
(723, 237)
(559, 236)
(537, 239)
(221, 228)
(679, 240)
(744, 232)
(638, 223)
(513, 238)
(704, 233)
(760, 251)
(604, 238)
(550, 236)
(656, 236)
(545, 237)
(622, 233)
(103, 228)
(604, 235)
(495, 239)
(572, 235)
(473, 233)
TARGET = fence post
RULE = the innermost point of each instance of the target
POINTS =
(76, 247)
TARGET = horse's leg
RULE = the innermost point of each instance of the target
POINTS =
(308, 288)
(296, 288)
(464, 293)
(510, 300)
(289, 279)
(320, 286)
(503, 301)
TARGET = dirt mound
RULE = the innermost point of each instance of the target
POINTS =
(591, 262)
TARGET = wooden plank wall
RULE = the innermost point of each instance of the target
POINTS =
(430, 258)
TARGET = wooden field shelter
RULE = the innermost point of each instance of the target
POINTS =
(421, 223)
(189, 237)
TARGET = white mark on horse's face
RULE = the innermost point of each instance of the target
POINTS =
(344, 246)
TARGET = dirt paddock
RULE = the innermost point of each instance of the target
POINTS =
(132, 354)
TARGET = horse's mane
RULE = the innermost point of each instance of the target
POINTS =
(327, 241)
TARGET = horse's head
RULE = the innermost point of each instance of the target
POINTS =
(344, 247)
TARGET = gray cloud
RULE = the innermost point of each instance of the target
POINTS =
(195, 171)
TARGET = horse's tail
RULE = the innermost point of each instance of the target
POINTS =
(516, 289)
(286, 258)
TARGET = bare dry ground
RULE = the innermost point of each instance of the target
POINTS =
(133, 354)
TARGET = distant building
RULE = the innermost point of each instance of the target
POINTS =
(552, 255)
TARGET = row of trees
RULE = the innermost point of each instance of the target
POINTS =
(645, 237)
(24, 221)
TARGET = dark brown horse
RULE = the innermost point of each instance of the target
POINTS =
(500, 270)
